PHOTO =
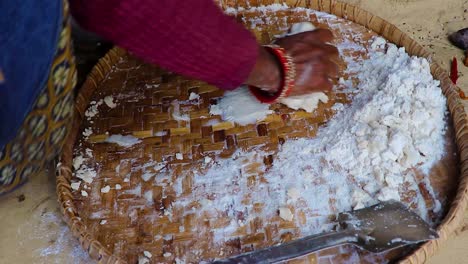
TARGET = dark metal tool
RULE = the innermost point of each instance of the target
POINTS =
(377, 229)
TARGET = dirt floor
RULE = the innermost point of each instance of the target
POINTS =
(33, 232)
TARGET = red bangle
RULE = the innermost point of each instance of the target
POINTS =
(288, 75)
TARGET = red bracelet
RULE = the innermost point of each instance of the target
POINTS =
(288, 75)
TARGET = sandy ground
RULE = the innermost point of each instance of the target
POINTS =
(32, 231)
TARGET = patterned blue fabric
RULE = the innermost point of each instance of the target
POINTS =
(29, 31)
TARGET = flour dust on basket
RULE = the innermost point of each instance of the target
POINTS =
(393, 129)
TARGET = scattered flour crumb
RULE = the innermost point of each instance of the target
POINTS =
(87, 132)
(179, 156)
(194, 96)
(143, 260)
(212, 122)
(147, 254)
(167, 254)
(160, 133)
(176, 112)
(105, 189)
(438, 206)
(159, 166)
(286, 214)
(109, 100)
(168, 212)
(179, 261)
(208, 159)
(92, 110)
(378, 43)
(124, 141)
(77, 161)
(86, 174)
(89, 152)
(84, 193)
(75, 185)
(118, 186)
(103, 222)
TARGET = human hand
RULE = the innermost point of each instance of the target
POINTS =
(313, 59)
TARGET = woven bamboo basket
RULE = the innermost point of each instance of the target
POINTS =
(222, 134)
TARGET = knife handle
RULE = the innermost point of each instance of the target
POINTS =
(293, 249)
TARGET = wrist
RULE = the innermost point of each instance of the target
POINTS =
(287, 79)
(266, 74)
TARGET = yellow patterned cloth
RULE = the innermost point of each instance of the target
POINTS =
(44, 130)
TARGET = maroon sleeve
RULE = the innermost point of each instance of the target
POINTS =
(190, 37)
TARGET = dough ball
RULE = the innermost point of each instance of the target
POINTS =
(308, 102)
(301, 27)
(286, 214)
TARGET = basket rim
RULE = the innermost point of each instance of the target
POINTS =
(449, 224)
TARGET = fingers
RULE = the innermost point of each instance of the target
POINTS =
(332, 68)
(326, 86)
(310, 56)
(302, 51)
(323, 84)
(322, 35)
(313, 77)
(330, 50)
(319, 63)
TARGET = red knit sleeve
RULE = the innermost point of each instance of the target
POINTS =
(190, 37)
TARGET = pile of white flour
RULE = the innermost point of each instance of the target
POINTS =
(395, 123)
